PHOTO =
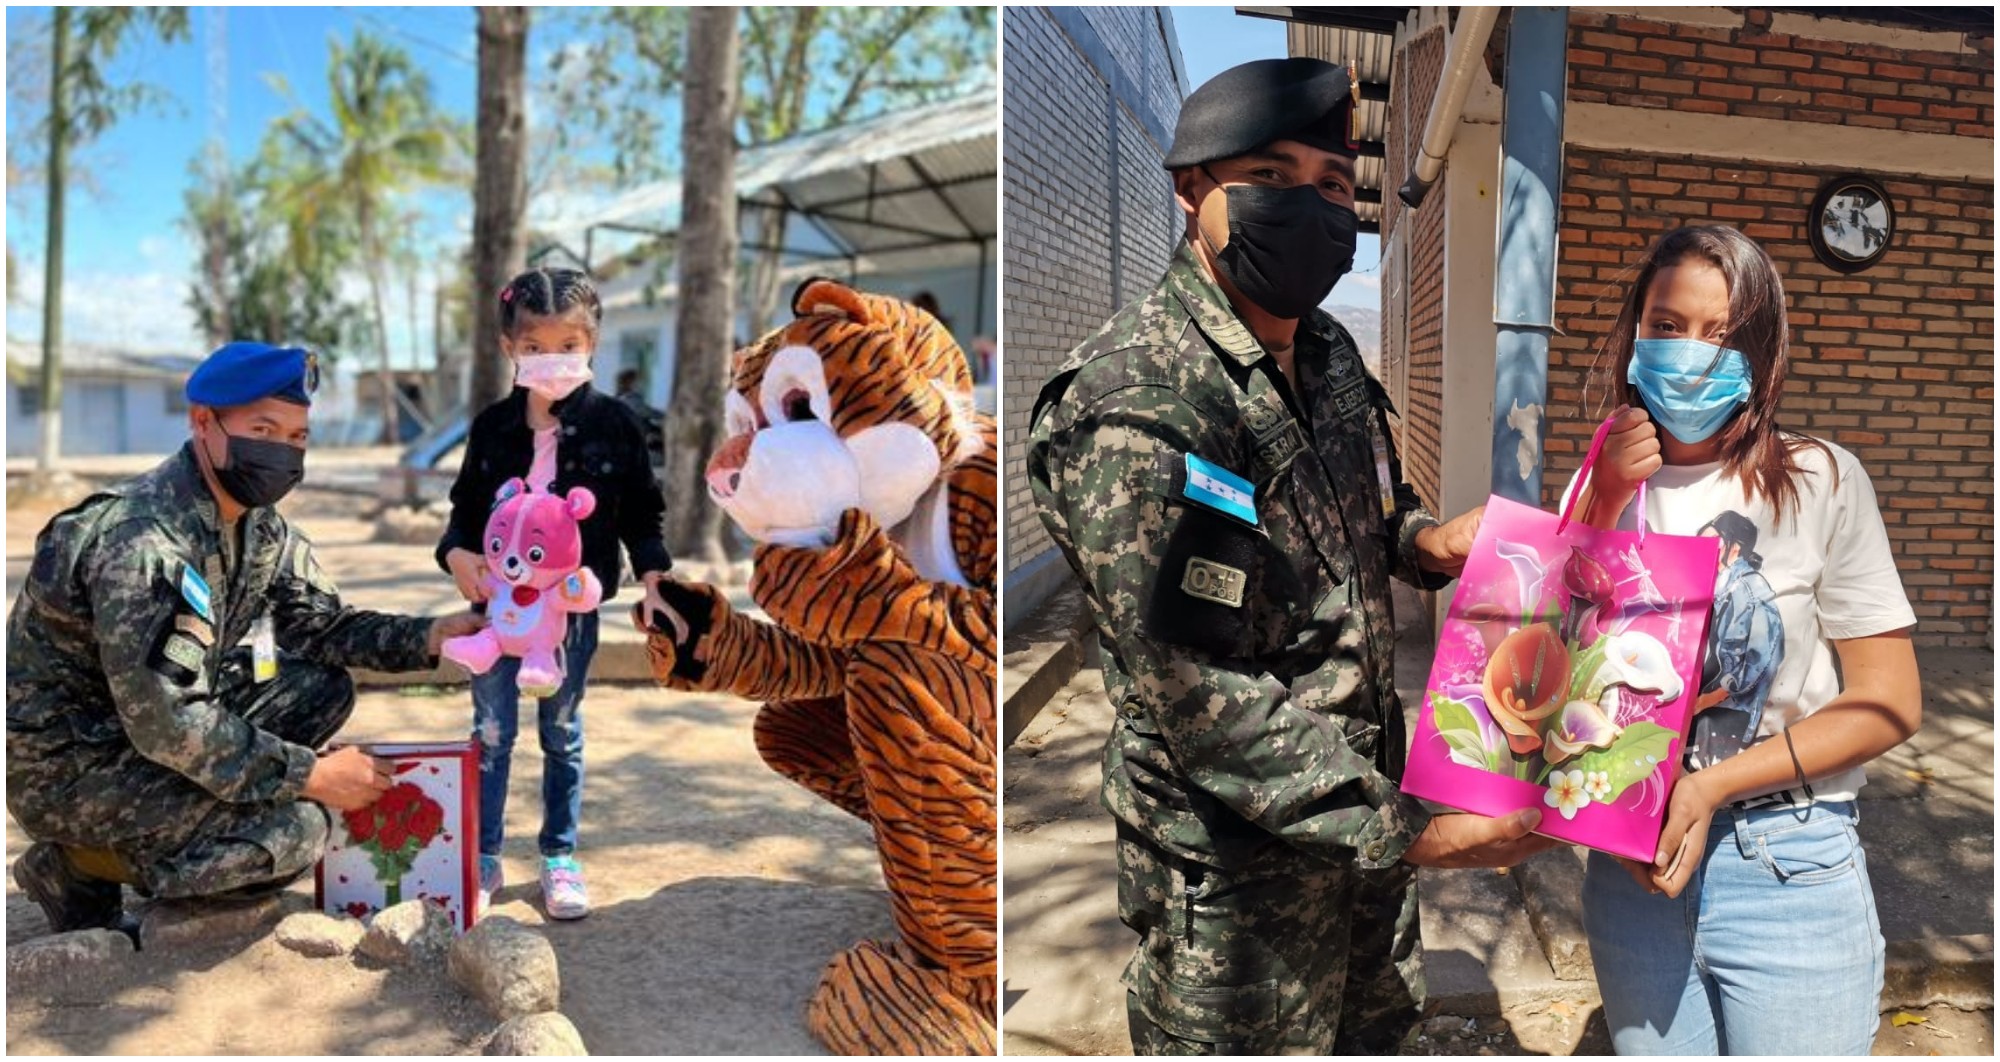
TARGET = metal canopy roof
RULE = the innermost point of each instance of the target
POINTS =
(1366, 36)
(907, 190)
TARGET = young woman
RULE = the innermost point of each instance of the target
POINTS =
(556, 432)
(1754, 929)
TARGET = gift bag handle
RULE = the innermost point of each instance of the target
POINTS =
(1583, 480)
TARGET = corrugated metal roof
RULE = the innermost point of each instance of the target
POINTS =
(918, 176)
(24, 357)
(1365, 36)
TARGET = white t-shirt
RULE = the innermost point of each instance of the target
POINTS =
(1783, 593)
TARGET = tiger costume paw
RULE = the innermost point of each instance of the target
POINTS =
(681, 659)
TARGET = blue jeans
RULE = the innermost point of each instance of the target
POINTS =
(1773, 947)
(496, 704)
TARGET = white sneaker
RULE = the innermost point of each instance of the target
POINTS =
(489, 883)
(562, 888)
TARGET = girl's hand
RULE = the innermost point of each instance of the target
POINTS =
(468, 570)
(1684, 838)
(1630, 456)
(1641, 873)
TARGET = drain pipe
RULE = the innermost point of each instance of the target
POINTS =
(1468, 46)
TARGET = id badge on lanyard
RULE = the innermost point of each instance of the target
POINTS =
(263, 650)
(1383, 482)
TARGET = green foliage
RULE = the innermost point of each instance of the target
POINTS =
(804, 69)
(278, 277)
(1631, 759)
(1461, 731)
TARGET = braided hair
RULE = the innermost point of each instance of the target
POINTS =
(548, 291)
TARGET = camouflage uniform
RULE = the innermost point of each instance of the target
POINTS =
(133, 722)
(1253, 768)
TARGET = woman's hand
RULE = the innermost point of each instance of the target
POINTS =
(468, 570)
(1630, 456)
(1684, 838)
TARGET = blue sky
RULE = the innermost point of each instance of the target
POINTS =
(1213, 39)
(127, 261)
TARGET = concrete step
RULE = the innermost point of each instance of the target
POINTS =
(1039, 655)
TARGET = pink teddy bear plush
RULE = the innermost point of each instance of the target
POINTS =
(534, 579)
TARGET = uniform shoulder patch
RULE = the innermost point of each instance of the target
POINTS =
(1212, 486)
(194, 589)
(178, 657)
(1214, 581)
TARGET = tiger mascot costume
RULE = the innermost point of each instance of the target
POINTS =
(855, 460)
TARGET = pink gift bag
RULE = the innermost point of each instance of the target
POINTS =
(417, 842)
(1566, 674)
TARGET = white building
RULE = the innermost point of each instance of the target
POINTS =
(114, 401)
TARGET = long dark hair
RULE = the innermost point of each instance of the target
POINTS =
(1755, 449)
(547, 291)
(1735, 529)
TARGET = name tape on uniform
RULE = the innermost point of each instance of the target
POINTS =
(1220, 489)
(1210, 581)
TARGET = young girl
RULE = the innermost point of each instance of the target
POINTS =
(1754, 929)
(556, 432)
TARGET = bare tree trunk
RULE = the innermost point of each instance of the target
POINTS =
(52, 267)
(374, 251)
(500, 190)
(703, 335)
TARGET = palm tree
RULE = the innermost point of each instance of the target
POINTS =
(386, 137)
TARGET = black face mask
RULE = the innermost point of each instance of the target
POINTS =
(1287, 247)
(260, 472)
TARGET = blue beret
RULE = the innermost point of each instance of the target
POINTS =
(1246, 107)
(241, 373)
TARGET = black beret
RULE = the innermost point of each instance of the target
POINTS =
(1245, 107)
(242, 373)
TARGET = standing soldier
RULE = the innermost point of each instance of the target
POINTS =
(1216, 465)
(145, 746)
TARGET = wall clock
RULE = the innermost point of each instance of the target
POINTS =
(1850, 224)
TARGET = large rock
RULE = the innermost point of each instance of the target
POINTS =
(508, 967)
(547, 1033)
(411, 930)
(320, 935)
(65, 960)
(191, 923)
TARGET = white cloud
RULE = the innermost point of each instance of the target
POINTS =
(144, 310)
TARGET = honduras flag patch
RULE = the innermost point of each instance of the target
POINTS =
(195, 589)
(1213, 486)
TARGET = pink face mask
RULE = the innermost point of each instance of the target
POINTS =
(553, 376)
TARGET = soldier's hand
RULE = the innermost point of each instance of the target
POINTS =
(468, 570)
(1630, 456)
(347, 778)
(1478, 841)
(1444, 548)
(456, 625)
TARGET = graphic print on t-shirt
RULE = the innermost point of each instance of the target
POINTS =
(1746, 645)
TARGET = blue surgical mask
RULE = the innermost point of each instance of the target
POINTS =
(1688, 398)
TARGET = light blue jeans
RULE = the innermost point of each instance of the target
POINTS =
(1773, 947)
(496, 707)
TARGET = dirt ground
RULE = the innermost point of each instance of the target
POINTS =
(720, 891)
(1577, 1028)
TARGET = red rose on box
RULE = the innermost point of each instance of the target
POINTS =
(394, 829)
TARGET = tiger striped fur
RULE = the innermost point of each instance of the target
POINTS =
(879, 677)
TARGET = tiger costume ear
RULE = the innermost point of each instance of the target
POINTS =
(821, 296)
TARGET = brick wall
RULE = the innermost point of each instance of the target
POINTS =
(1752, 72)
(1422, 426)
(1894, 363)
(1071, 151)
